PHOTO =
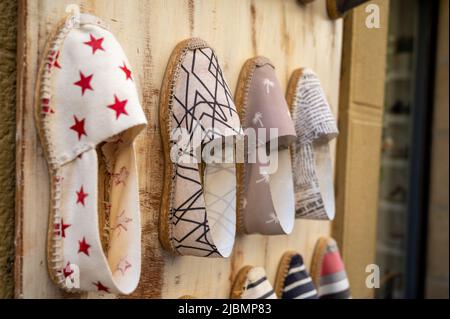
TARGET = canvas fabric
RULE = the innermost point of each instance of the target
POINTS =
(297, 283)
(268, 195)
(312, 166)
(257, 286)
(90, 111)
(203, 203)
(333, 282)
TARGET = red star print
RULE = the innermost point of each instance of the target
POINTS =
(95, 44)
(123, 265)
(100, 286)
(63, 228)
(67, 270)
(84, 82)
(81, 195)
(126, 71)
(119, 107)
(56, 63)
(58, 179)
(122, 222)
(78, 127)
(119, 178)
(49, 62)
(83, 247)
(46, 106)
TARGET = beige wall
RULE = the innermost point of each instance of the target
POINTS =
(358, 154)
(8, 23)
(438, 239)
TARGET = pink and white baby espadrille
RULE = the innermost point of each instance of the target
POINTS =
(88, 111)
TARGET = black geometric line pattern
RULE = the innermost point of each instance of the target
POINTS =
(202, 102)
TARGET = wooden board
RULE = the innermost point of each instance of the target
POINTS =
(289, 34)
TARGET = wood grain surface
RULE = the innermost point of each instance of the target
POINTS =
(291, 35)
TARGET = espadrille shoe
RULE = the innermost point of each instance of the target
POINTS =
(266, 203)
(251, 283)
(328, 271)
(87, 112)
(198, 120)
(293, 280)
(312, 165)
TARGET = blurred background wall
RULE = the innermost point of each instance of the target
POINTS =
(437, 259)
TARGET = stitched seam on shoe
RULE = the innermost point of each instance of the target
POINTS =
(45, 92)
(243, 111)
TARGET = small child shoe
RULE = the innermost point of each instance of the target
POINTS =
(293, 280)
(251, 283)
(328, 271)
(87, 104)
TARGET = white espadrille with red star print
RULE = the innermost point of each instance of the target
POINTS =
(88, 112)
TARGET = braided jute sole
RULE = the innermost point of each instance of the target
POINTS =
(239, 283)
(283, 268)
(316, 262)
(292, 89)
(53, 245)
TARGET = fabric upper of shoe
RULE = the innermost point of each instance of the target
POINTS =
(333, 277)
(268, 194)
(88, 97)
(93, 95)
(297, 283)
(203, 215)
(257, 286)
(312, 166)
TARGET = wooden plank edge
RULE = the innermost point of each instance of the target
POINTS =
(20, 145)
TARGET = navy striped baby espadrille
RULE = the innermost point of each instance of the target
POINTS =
(293, 280)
